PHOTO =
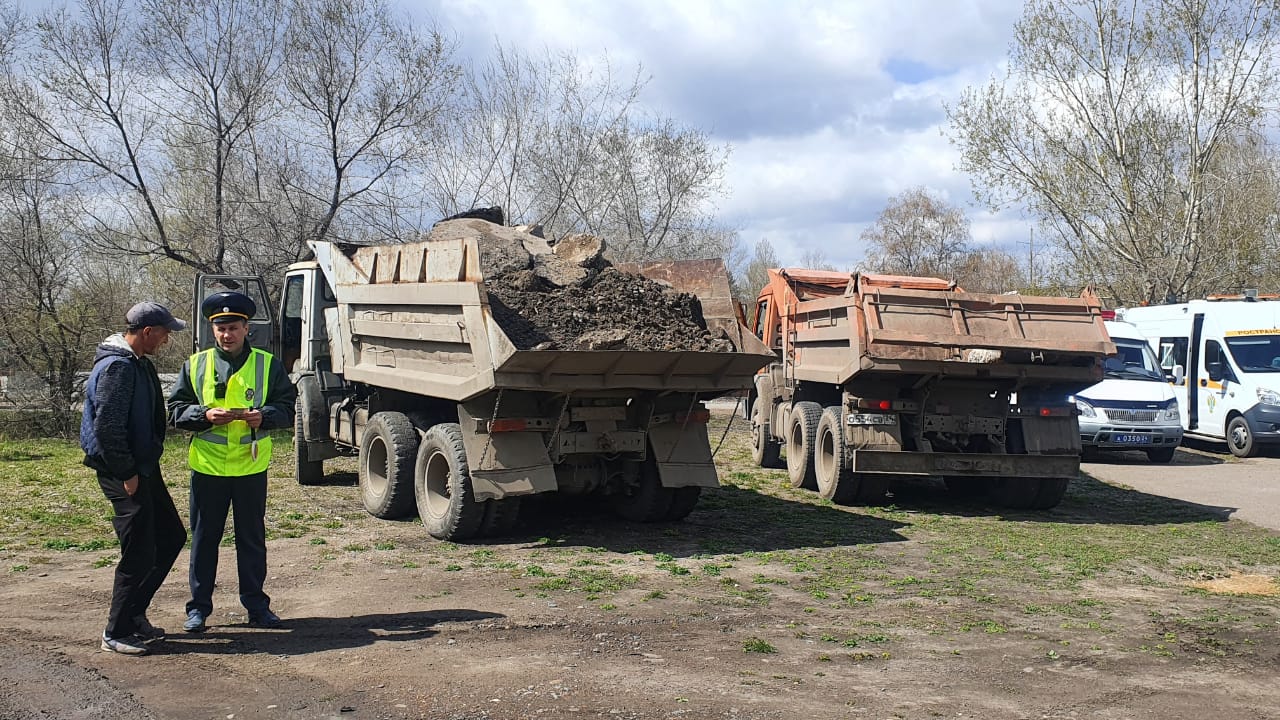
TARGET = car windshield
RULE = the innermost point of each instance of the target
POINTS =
(1133, 361)
(1255, 353)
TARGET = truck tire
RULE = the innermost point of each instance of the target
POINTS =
(442, 486)
(963, 486)
(387, 451)
(1161, 455)
(500, 517)
(836, 482)
(1013, 492)
(1240, 440)
(683, 501)
(765, 451)
(306, 472)
(802, 433)
(646, 500)
(1050, 493)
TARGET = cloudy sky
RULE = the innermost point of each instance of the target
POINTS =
(830, 108)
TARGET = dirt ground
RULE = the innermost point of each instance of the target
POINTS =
(383, 622)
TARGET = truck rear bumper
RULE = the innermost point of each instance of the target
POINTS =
(893, 462)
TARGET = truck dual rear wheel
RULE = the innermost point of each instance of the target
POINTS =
(644, 499)
(387, 451)
(802, 433)
(1023, 493)
(442, 486)
(836, 482)
(765, 451)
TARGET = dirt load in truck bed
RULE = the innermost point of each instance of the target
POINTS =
(569, 297)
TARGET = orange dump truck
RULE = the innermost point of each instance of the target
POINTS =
(880, 377)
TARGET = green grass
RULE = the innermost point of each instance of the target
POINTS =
(930, 563)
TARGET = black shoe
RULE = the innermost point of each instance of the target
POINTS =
(264, 619)
(195, 622)
(148, 632)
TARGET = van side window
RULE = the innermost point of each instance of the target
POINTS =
(1173, 351)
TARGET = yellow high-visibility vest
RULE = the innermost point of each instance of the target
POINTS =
(227, 450)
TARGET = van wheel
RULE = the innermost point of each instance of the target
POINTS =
(1161, 455)
(1240, 440)
(802, 432)
(387, 449)
(765, 451)
(442, 485)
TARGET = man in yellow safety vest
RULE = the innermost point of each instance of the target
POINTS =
(229, 395)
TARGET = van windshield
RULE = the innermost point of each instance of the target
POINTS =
(1255, 353)
(1133, 361)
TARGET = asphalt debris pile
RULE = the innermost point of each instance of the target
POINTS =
(567, 296)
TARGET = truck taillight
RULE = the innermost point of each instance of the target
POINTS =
(508, 425)
(1065, 411)
(875, 404)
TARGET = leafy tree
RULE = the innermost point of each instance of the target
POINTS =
(1115, 125)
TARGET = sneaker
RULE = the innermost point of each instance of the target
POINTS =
(148, 632)
(264, 619)
(131, 645)
(195, 622)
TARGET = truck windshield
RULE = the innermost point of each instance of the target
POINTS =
(1133, 361)
(1255, 353)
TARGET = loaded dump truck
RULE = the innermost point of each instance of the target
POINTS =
(469, 372)
(880, 377)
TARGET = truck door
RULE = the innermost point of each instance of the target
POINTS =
(262, 332)
(304, 340)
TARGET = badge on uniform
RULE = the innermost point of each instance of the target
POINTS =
(248, 394)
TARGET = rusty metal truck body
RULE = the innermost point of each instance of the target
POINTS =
(398, 357)
(880, 377)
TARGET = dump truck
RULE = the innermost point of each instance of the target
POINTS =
(400, 356)
(882, 377)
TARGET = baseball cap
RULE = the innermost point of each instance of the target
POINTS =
(151, 314)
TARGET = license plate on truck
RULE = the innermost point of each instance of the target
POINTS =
(871, 419)
(1131, 439)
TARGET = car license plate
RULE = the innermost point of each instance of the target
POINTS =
(1131, 439)
(871, 419)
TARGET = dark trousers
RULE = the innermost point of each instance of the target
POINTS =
(151, 535)
(211, 497)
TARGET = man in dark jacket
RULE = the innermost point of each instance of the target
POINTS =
(122, 434)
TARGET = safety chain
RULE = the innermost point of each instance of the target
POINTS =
(729, 425)
(555, 432)
(488, 436)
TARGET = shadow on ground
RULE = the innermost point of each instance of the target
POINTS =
(1088, 501)
(727, 520)
(299, 636)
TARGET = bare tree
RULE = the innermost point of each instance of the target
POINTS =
(756, 273)
(1109, 124)
(365, 89)
(917, 233)
(990, 270)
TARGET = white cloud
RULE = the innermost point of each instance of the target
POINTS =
(831, 107)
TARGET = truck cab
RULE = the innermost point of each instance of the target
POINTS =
(1133, 408)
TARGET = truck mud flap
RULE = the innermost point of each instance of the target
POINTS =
(683, 455)
(943, 464)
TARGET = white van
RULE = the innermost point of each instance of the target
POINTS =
(1223, 358)
(1133, 408)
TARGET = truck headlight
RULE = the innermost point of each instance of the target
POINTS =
(1086, 410)
(1170, 412)
(1268, 397)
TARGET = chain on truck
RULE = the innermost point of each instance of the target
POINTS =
(398, 358)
